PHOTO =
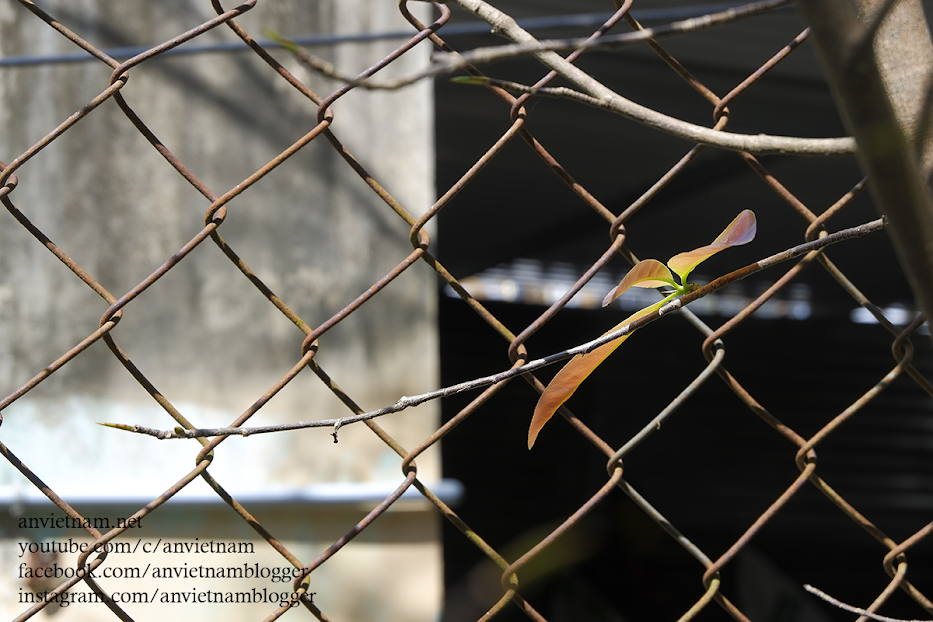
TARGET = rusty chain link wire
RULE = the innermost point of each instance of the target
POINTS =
(517, 111)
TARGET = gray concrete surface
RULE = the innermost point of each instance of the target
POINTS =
(203, 335)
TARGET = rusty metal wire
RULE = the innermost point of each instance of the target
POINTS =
(516, 111)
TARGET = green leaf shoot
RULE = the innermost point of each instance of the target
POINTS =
(648, 273)
(286, 43)
(563, 385)
(740, 231)
(470, 80)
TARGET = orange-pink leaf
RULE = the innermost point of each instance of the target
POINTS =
(563, 385)
(646, 273)
(740, 231)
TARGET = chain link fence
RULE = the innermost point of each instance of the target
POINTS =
(580, 285)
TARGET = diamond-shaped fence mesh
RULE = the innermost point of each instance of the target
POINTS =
(801, 248)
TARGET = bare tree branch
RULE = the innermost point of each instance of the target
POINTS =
(444, 63)
(607, 99)
(593, 92)
(613, 42)
(407, 402)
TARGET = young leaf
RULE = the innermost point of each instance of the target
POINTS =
(470, 79)
(740, 231)
(289, 45)
(573, 373)
(646, 273)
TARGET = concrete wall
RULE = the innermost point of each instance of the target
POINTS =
(203, 335)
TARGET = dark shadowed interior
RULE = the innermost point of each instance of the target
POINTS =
(715, 466)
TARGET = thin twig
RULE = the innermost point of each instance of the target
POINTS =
(608, 42)
(447, 62)
(594, 93)
(851, 609)
(407, 402)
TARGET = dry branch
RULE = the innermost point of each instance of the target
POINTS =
(593, 92)
(407, 402)
(607, 99)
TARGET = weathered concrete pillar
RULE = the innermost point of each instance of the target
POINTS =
(203, 335)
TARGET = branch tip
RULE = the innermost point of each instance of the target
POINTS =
(120, 426)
